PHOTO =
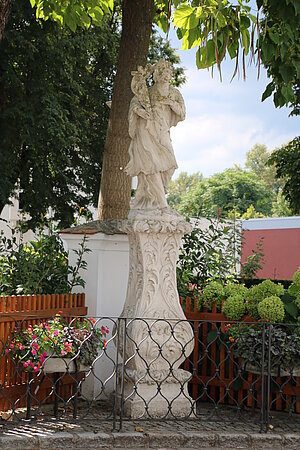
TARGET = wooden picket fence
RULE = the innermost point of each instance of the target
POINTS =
(215, 375)
(21, 311)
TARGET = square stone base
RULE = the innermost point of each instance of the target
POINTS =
(157, 400)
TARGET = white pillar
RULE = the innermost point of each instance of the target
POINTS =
(105, 289)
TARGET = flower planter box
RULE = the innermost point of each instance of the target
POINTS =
(275, 372)
(63, 365)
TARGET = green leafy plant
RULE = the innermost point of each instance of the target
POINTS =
(234, 307)
(253, 263)
(40, 266)
(282, 343)
(259, 292)
(208, 254)
(271, 308)
(213, 292)
(55, 338)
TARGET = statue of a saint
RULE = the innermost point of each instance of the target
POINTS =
(153, 111)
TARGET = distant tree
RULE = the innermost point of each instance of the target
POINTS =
(256, 161)
(251, 213)
(287, 163)
(280, 207)
(232, 189)
(180, 186)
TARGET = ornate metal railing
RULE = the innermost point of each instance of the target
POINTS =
(129, 369)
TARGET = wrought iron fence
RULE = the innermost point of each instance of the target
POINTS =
(129, 369)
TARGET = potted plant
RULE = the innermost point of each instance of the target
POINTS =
(56, 346)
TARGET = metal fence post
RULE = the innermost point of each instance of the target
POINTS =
(118, 328)
(123, 372)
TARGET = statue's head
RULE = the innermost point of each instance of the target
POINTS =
(162, 71)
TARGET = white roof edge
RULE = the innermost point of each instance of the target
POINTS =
(273, 223)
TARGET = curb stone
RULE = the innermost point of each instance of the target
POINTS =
(233, 440)
(149, 440)
(199, 440)
(159, 440)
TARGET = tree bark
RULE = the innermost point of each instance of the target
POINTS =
(115, 188)
(5, 6)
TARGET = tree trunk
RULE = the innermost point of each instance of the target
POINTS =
(4, 13)
(115, 188)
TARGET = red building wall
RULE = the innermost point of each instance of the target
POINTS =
(281, 245)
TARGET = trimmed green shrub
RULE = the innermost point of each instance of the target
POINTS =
(232, 289)
(297, 301)
(296, 278)
(259, 292)
(271, 308)
(213, 292)
(234, 307)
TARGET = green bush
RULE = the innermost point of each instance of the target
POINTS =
(296, 278)
(40, 266)
(259, 292)
(208, 254)
(232, 289)
(212, 292)
(297, 300)
(234, 307)
(271, 308)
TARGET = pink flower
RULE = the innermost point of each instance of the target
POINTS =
(45, 354)
(7, 351)
(63, 352)
(36, 346)
(21, 347)
(225, 329)
(31, 364)
(25, 364)
(33, 351)
(11, 345)
(55, 333)
(107, 330)
(36, 369)
(33, 337)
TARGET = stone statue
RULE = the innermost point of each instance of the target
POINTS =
(159, 338)
(153, 111)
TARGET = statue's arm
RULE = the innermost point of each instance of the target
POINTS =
(176, 103)
(137, 108)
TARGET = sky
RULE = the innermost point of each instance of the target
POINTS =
(225, 119)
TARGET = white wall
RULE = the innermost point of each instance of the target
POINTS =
(106, 284)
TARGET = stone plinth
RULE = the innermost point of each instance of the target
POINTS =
(158, 337)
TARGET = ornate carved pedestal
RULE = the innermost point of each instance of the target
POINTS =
(158, 338)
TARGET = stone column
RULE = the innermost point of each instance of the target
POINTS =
(159, 338)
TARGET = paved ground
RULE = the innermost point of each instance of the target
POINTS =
(205, 432)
